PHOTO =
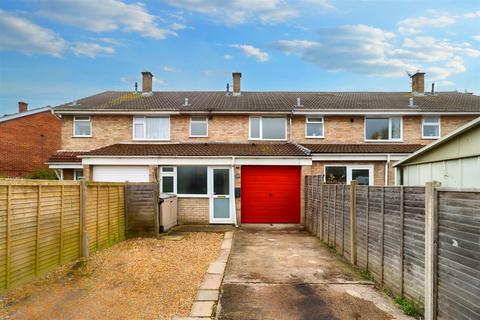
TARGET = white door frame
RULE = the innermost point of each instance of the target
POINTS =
(230, 196)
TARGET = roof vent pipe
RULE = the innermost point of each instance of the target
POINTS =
(433, 88)
(299, 102)
(186, 104)
(410, 102)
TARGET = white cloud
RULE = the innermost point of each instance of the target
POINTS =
(19, 34)
(159, 82)
(354, 48)
(371, 51)
(90, 49)
(412, 26)
(106, 16)
(476, 37)
(472, 15)
(227, 57)
(241, 11)
(177, 26)
(169, 69)
(251, 51)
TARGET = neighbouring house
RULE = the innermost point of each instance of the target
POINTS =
(27, 140)
(454, 160)
(240, 157)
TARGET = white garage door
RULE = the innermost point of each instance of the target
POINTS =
(120, 173)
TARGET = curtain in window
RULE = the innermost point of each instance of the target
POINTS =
(157, 128)
(396, 128)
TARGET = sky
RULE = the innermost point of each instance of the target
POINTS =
(57, 51)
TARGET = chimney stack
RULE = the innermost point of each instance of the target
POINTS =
(147, 78)
(22, 106)
(236, 83)
(418, 83)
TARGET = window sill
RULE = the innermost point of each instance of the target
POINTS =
(205, 196)
(384, 141)
(90, 136)
(198, 136)
(150, 140)
(314, 137)
(255, 139)
(430, 138)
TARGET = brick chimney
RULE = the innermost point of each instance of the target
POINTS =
(418, 83)
(22, 106)
(236, 83)
(147, 78)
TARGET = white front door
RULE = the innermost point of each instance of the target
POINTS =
(221, 204)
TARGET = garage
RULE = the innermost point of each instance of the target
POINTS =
(120, 173)
(270, 194)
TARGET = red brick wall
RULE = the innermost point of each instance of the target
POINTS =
(26, 143)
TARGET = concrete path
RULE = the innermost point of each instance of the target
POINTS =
(291, 275)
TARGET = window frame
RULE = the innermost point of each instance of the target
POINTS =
(168, 174)
(439, 124)
(261, 128)
(389, 129)
(76, 177)
(349, 168)
(75, 135)
(134, 118)
(306, 127)
(196, 121)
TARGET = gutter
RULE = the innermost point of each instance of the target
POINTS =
(233, 196)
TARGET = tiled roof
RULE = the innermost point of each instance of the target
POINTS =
(66, 156)
(363, 148)
(217, 101)
(202, 149)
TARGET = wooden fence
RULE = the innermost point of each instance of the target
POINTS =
(390, 231)
(46, 223)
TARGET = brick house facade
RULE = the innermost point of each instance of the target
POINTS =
(28, 139)
(109, 147)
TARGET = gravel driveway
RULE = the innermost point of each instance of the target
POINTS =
(135, 279)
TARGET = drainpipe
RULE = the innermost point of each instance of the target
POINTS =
(290, 128)
(386, 169)
(233, 196)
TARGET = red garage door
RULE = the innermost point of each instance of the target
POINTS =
(270, 194)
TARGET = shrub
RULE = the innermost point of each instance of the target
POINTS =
(44, 174)
(410, 308)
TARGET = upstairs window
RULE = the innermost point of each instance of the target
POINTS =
(151, 128)
(383, 129)
(82, 126)
(268, 128)
(431, 128)
(199, 126)
(314, 127)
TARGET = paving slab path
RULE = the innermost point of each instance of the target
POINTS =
(292, 275)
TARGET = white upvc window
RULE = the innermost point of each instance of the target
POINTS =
(267, 128)
(82, 126)
(168, 180)
(198, 126)
(345, 174)
(151, 128)
(314, 127)
(379, 129)
(78, 174)
(431, 127)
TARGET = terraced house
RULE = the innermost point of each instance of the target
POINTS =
(239, 157)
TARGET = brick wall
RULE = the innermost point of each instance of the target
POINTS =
(193, 211)
(350, 129)
(27, 142)
(234, 128)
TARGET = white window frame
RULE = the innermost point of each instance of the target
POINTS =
(439, 124)
(168, 174)
(198, 121)
(82, 120)
(350, 167)
(75, 175)
(389, 129)
(136, 119)
(306, 127)
(261, 128)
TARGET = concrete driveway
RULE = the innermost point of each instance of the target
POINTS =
(290, 275)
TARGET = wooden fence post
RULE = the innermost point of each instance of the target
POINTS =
(431, 243)
(402, 238)
(37, 240)
(353, 220)
(367, 231)
(343, 220)
(83, 221)
(321, 209)
(7, 236)
(62, 195)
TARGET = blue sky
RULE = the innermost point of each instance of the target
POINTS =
(55, 51)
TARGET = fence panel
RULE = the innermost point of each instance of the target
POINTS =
(40, 225)
(361, 198)
(459, 255)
